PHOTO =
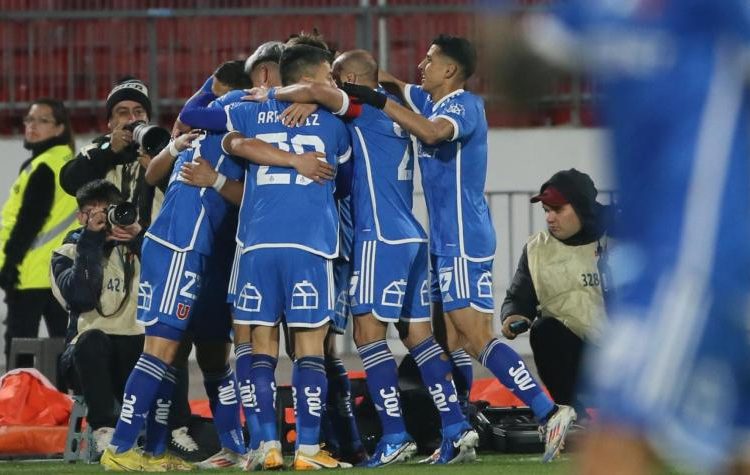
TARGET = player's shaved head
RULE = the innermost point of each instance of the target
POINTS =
(357, 66)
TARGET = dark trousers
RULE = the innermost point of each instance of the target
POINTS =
(25, 310)
(97, 366)
(557, 354)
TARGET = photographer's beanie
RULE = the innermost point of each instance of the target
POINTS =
(130, 89)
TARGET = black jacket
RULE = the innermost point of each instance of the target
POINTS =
(96, 160)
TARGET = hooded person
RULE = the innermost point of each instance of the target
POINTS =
(557, 287)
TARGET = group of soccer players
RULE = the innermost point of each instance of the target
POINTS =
(322, 171)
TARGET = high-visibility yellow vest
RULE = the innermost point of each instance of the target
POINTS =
(34, 268)
(567, 283)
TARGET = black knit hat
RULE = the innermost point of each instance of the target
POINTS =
(577, 188)
(129, 89)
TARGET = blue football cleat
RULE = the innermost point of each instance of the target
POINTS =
(458, 449)
(387, 454)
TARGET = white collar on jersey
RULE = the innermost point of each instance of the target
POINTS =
(445, 98)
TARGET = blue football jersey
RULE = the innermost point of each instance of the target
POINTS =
(279, 207)
(190, 216)
(383, 184)
(454, 174)
(673, 76)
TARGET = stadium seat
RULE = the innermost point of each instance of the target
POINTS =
(44, 350)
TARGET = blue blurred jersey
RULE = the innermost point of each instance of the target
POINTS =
(383, 184)
(454, 174)
(281, 209)
(673, 75)
(190, 216)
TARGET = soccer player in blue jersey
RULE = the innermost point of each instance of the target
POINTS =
(289, 230)
(671, 379)
(180, 245)
(389, 283)
(452, 131)
(342, 435)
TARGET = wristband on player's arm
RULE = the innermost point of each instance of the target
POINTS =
(221, 179)
(365, 94)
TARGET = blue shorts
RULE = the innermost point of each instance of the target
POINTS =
(390, 281)
(231, 291)
(288, 282)
(169, 285)
(342, 271)
(462, 283)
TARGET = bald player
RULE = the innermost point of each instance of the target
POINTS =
(390, 278)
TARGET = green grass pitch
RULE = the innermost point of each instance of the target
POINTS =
(489, 464)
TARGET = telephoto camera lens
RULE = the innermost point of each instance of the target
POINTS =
(122, 214)
(151, 137)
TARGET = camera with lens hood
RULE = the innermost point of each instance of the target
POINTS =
(122, 214)
(151, 138)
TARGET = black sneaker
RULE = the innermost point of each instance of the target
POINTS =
(183, 445)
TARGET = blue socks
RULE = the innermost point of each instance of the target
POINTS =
(140, 391)
(436, 374)
(263, 374)
(157, 423)
(339, 407)
(244, 355)
(310, 388)
(463, 376)
(221, 390)
(382, 383)
(509, 368)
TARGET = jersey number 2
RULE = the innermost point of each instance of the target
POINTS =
(280, 140)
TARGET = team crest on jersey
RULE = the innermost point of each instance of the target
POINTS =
(393, 294)
(249, 298)
(304, 296)
(456, 108)
(183, 311)
(145, 295)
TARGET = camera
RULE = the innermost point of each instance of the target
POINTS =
(151, 138)
(122, 214)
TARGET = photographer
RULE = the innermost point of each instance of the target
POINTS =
(559, 283)
(116, 156)
(95, 276)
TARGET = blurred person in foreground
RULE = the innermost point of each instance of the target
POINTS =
(672, 377)
(95, 276)
(557, 291)
(35, 219)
